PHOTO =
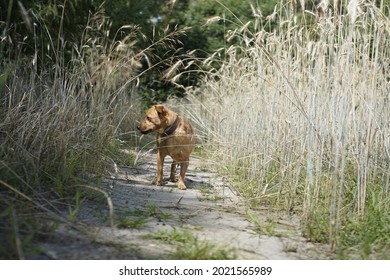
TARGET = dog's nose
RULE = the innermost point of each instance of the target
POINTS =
(138, 127)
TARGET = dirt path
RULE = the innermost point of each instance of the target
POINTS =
(164, 222)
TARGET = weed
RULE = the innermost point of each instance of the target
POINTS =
(137, 218)
(316, 227)
(204, 189)
(190, 247)
(208, 194)
(73, 211)
(369, 234)
(203, 250)
(153, 211)
(213, 198)
(123, 221)
(16, 241)
(171, 237)
(267, 228)
(120, 152)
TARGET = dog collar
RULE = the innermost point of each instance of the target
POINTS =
(171, 129)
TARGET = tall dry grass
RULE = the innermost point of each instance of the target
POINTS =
(300, 117)
(58, 115)
(62, 110)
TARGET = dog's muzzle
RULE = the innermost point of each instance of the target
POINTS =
(143, 131)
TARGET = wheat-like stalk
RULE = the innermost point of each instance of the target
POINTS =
(304, 113)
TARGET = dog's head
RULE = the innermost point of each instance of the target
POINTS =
(156, 120)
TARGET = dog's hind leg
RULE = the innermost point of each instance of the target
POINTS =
(183, 170)
(173, 171)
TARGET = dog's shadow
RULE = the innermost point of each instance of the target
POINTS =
(190, 184)
(195, 183)
(193, 180)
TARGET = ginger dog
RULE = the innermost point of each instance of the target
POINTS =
(175, 138)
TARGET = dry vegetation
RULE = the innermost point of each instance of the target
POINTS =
(300, 118)
(61, 113)
(57, 118)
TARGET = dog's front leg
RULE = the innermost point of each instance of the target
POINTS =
(160, 167)
(173, 172)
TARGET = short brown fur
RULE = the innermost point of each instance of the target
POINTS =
(175, 138)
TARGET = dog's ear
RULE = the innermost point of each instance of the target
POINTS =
(161, 110)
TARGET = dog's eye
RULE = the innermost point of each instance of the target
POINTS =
(149, 118)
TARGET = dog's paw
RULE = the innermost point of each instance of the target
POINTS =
(158, 182)
(181, 186)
